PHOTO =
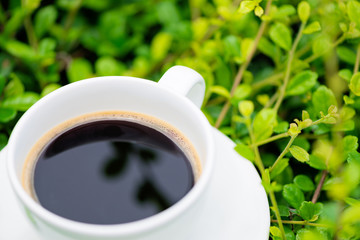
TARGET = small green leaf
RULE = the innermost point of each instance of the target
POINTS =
(305, 115)
(160, 45)
(312, 27)
(49, 88)
(275, 233)
(310, 211)
(220, 90)
(246, 108)
(14, 87)
(304, 183)
(345, 74)
(280, 34)
(245, 151)
(15, 22)
(108, 66)
(21, 102)
(7, 114)
(310, 234)
(321, 45)
(299, 153)
(284, 211)
(281, 127)
(350, 144)
(355, 84)
(247, 6)
(266, 181)
(20, 50)
(317, 162)
(322, 99)
(79, 69)
(279, 167)
(293, 195)
(284, 11)
(301, 83)
(263, 124)
(44, 19)
(269, 49)
(347, 113)
(304, 11)
(353, 10)
(259, 11)
(241, 92)
(345, 54)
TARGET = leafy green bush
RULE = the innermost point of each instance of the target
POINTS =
(282, 80)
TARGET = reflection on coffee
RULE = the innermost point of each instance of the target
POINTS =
(110, 168)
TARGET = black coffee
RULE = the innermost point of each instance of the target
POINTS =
(110, 172)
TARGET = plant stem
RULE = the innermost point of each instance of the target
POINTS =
(288, 67)
(284, 151)
(277, 213)
(319, 186)
(272, 80)
(271, 139)
(30, 33)
(301, 223)
(357, 62)
(258, 161)
(244, 66)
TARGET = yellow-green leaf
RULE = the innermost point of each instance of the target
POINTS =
(304, 11)
(299, 153)
(355, 84)
(312, 27)
(280, 34)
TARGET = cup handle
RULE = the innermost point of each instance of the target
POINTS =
(185, 81)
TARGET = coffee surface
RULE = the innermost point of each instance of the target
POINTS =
(111, 172)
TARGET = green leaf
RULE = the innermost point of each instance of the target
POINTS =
(321, 45)
(160, 45)
(241, 92)
(304, 11)
(49, 88)
(281, 127)
(346, 74)
(317, 162)
(279, 167)
(246, 108)
(345, 54)
(15, 22)
(304, 183)
(322, 99)
(245, 151)
(21, 102)
(14, 87)
(283, 11)
(269, 49)
(301, 83)
(310, 234)
(20, 50)
(312, 27)
(275, 233)
(263, 124)
(299, 153)
(79, 69)
(280, 34)
(355, 84)
(7, 114)
(284, 211)
(353, 10)
(108, 66)
(220, 90)
(259, 11)
(350, 144)
(310, 211)
(44, 19)
(247, 6)
(293, 195)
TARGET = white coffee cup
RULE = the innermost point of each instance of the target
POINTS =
(175, 99)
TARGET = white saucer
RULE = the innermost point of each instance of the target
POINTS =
(238, 208)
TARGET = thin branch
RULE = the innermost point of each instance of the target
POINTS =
(301, 223)
(270, 139)
(319, 186)
(244, 66)
(283, 152)
(357, 62)
(288, 67)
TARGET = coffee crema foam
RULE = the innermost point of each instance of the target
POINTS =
(159, 125)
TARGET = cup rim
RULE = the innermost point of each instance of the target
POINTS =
(124, 229)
